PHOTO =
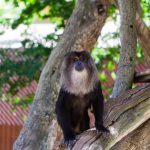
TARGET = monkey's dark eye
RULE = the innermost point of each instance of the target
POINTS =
(76, 58)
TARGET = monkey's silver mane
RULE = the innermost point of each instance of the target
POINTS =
(78, 83)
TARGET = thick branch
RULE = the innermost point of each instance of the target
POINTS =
(123, 115)
(125, 72)
(139, 139)
(82, 31)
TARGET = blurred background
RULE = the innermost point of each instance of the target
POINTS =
(29, 30)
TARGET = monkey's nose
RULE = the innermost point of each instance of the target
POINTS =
(79, 66)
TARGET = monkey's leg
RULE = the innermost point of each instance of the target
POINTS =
(64, 121)
(85, 122)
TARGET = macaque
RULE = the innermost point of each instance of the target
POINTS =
(80, 89)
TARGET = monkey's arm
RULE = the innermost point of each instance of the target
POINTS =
(98, 108)
(63, 117)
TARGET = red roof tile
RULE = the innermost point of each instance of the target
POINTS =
(11, 116)
(29, 89)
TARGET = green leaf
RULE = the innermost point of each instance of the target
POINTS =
(110, 66)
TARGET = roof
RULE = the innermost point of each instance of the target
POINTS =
(27, 90)
(11, 116)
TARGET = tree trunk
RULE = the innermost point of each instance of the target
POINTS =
(128, 118)
(81, 33)
(143, 32)
(126, 65)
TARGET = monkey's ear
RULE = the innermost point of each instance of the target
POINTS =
(66, 54)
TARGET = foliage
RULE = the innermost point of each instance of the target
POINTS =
(30, 59)
(145, 11)
(15, 100)
(55, 11)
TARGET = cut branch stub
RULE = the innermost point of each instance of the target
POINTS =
(142, 77)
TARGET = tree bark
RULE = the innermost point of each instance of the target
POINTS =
(128, 118)
(137, 140)
(143, 32)
(125, 72)
(81, 33)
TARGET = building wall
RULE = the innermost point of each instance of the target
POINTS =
(8, 135)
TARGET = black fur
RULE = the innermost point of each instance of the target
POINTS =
(72, 111)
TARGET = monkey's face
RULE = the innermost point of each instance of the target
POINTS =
(78, 62)
(78, 70)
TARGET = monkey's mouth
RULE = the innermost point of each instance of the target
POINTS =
(79, 66)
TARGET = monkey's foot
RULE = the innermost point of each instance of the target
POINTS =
(101, 128)
(104, 131)
(67, 143)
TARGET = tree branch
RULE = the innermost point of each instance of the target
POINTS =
(123, 115)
